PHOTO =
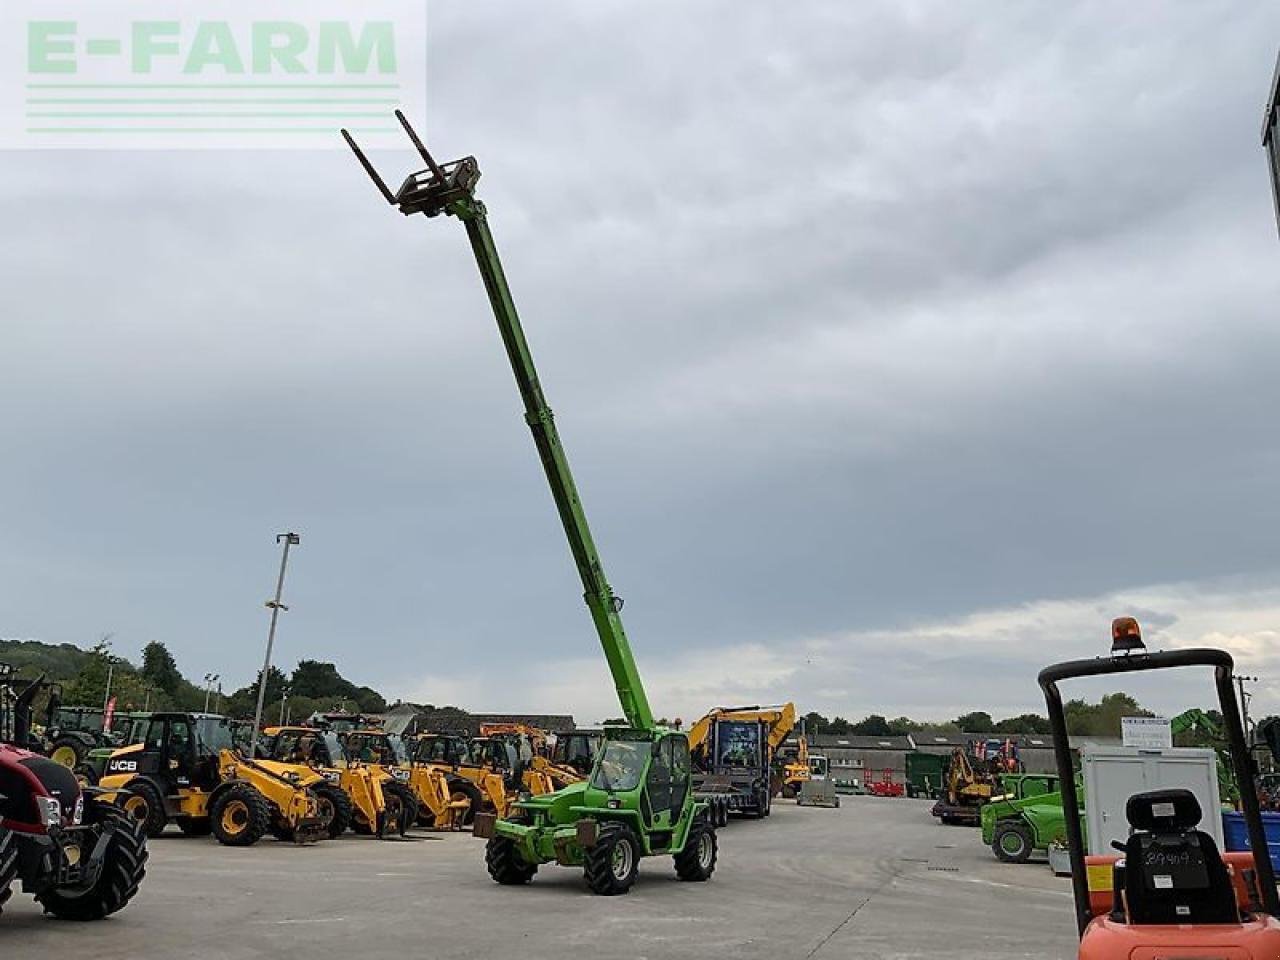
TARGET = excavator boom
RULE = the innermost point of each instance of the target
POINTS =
(449, 189)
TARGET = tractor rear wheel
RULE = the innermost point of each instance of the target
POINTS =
(1013, 841)
(505, 864)
(334, 808)
(145, 806)
(123, 867)
(611, 865)
(697, 861)
(69, 750)
(402, 808)
(240, 816)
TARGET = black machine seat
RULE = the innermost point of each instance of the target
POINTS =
(1173, 872)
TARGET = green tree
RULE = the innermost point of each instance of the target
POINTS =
(979, 721)
(873, 725)
(1024, 723)
(901, 726)
(160, 669)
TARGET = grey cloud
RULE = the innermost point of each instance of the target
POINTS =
(854, 316)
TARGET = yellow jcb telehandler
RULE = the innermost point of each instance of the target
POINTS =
(188, 769)
(357, 795)
(467, 774)
(375, 752)
(540, 772)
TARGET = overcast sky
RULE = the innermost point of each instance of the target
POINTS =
(897, 348)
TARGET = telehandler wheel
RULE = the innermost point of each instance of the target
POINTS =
(194, 826)
(466, 790)
(697, 861)
(123, 867)
(505, 864)
(240, 816)
(1013, 842)
(334, 808)
(402, 808)
(611, 865)
(145, 805)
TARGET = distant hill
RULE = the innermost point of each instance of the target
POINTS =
(159, 684)
(62, 662)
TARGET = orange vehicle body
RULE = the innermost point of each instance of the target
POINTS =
(1257, 938)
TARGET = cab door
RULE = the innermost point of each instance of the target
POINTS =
(658, 786)
(681, 773)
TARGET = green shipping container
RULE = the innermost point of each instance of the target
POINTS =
(925, 773)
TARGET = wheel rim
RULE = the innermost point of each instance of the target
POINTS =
(235, 817)
(64, 755)
(394, 811)
(1011, 843)
(621, 860)
(137, 808)
(704, 850)
(325, 810)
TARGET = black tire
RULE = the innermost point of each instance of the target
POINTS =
(87, 775)
(69, 750)
(402, 808)
(335, 809)
(465, 789)
(194, 826)
(240, 816)
(788, 792)
(768, 802)
(611, 865)
(8, 865)
(145, 805)
(1013, 841)
(505, 864)
(697, 861)
(123, 868)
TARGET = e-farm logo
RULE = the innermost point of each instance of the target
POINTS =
(184, 74)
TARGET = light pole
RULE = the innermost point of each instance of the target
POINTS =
(1245, 697)
(209, 680)
(275, 606)
(284, 701)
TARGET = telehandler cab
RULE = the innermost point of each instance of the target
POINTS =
(639, 799)
(188, 769)
(1169, 892)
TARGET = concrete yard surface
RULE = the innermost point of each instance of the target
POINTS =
(876, 878)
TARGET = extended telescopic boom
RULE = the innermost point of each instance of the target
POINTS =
(448, 189)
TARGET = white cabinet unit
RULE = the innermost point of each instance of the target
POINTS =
(1113, 774)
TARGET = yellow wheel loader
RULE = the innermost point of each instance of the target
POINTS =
(358, 795)
(188, 770)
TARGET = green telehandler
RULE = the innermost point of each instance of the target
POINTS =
(638, 800)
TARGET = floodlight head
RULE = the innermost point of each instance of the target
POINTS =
(1126, 637)
(292, 538)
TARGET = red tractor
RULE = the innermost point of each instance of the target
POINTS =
(82, 858)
